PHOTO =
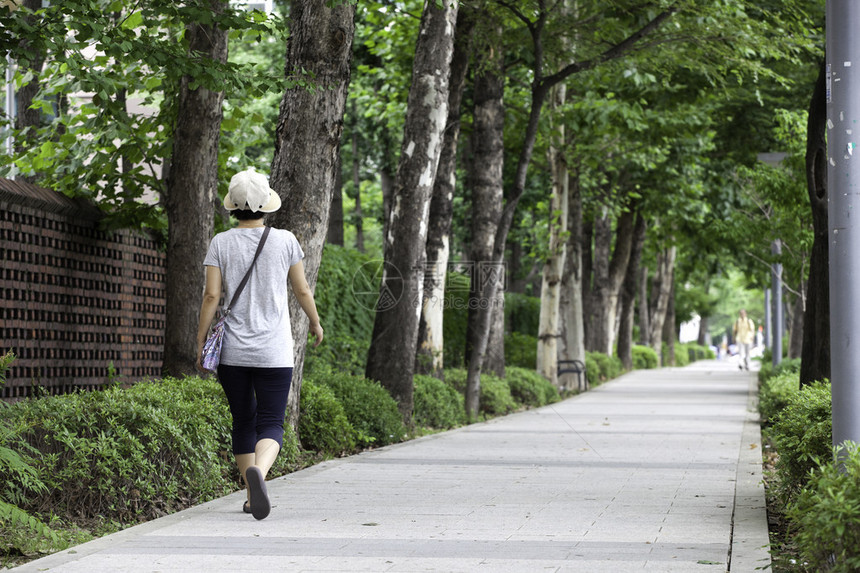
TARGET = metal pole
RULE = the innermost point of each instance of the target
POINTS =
(776, 300)
(767, 325)
(843, 182)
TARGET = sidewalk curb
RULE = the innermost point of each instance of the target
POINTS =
(750, 549)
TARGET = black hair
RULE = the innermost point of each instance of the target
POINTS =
(247, 214)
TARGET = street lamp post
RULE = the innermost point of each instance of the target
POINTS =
(843, 182)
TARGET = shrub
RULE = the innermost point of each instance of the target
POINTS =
(369, 407)
(125, 454)
(496, 398)
(530, 388)
(601, 367)
(827, 515)
(521, 350)
(323, 425)
(436, 404)
(644, 357)
(455, 317)
(802, 432)
(776, 392)
(339, 351)
(495, 393)
(522, 314)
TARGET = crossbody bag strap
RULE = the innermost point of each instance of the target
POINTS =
(242, 284)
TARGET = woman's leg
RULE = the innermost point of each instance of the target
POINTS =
(272, 386)
(239, 389)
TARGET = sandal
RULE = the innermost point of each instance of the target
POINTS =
(260, 505)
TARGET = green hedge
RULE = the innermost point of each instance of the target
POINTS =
(370, 409)
(600, 367)
(323, 425)
(802, 433)
(521, 350)
(776, 392)
(827, 514)
(126, 455)
(644, 357)
(530, 388)
(436, 404)
(522, 313)
(495, 399)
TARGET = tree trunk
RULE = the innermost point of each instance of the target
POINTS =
(26, 93)
(572, 341)
(660, 301)
(429, 357)
(487, 185)
(335, 214)
(307, 144)
(549, 329)
(357, 214)
(587, 256)
(644, 308)
(628, 294)
(795, 341)
(192, 191)
(815, 356)
(670, 332)
(608, 278)
(702, 338)
(391, 358)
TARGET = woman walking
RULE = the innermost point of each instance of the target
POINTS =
(256, 364)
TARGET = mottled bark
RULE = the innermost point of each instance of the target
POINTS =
(549, 325)
(670, 332)
(191, 194)
(628, 294)
(662, 291)
(307, 143)
(815, 356)
(572, 341)
(391, 358)
(644, 308)
(609, 272)
(429, 356)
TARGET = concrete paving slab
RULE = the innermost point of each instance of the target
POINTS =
(655, 471)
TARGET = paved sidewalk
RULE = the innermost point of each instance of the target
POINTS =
(655, 471)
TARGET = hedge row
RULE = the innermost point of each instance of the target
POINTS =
(819, 488)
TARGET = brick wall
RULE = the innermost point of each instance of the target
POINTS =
(74, 300)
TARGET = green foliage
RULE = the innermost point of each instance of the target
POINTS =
(802, 432)
(521, 350)
(775, 392)
(141, 52)
(495, 397)
(530, 388)
(323, 425)
(436, 404)
(522, 314)
(826, 514)
(644, 357)
(600, 367)
(370, 409)
(455, 319)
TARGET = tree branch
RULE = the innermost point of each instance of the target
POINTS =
(615, 51)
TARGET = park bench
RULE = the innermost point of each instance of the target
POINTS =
(572, 367)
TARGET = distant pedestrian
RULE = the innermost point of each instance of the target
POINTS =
(256, 364)
(744, 332)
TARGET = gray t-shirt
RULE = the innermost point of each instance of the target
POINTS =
(257, 332)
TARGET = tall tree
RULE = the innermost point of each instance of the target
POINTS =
(815, 355)
(192, 189)
(307, 142)
(628, 294)
(391, 358)
(28, 117)
(429, 358)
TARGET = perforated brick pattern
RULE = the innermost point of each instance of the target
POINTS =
(75, 302)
